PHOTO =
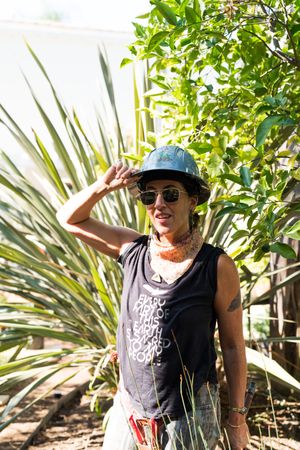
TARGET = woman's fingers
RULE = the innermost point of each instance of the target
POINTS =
(110, 174)
(126, 173)
(119, 175)
(135, 172)
(128, 177)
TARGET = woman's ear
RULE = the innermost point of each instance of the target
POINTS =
(194, 201)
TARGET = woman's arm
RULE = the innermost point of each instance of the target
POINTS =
(74, 215)
(229, 313)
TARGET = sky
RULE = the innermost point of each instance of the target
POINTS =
(104, 14)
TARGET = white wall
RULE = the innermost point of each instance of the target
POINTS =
(70, 57)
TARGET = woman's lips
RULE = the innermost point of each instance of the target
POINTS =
(162, 218)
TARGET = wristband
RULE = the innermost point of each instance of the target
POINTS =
(242, 410)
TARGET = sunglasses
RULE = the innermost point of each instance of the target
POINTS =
(170, 195)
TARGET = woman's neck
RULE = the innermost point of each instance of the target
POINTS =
(168, 239)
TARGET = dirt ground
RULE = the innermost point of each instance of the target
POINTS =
(75, 427)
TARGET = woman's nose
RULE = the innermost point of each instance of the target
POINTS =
(159, 201)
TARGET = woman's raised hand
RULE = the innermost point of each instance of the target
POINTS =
(119, 176)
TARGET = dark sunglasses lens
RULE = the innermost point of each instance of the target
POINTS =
(147, 198)
(171, 195)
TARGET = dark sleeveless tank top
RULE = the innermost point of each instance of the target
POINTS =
(165, 337)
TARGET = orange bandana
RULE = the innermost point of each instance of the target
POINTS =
(170, 261)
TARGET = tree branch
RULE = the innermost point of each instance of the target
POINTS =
(278, 53)
(287, 28)
(290, 35)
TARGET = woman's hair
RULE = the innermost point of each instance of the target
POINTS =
(192, 192)
(193, 221)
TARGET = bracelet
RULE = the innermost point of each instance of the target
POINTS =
(242, 410)
(235, 426)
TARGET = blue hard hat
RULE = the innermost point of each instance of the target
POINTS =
(172, 162)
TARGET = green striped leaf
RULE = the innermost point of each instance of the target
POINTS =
(166, 11)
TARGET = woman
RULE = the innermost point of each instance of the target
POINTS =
(176, 287)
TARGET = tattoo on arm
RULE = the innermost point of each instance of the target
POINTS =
(236, 302)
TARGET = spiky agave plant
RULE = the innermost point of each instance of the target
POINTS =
(68, 291)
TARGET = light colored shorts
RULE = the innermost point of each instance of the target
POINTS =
(199, 429)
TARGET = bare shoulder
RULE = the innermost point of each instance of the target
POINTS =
(228, 305)
(228, 295)
(227, 273)
(226, 265)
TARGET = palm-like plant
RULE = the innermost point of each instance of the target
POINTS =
(71, 291)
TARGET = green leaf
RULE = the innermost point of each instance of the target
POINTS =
(295, 28)
(167, 12)
(296, 174)
(185, 41)
(262, 109)
(14, 401)
(182, 4)
(159, 83)
(139, 29)
(153, 92)
(156, 40)
(245, 176)
(259, 91)
(143, 16)
(293, 231)
(240, 123)
(198, 7)
(284, 250)
(200, 148)
(223, 141)
(45, 332)
(239, 234)
(228, 210)
(57, 142)
(214, 165)
(231, 177)
(191, 16)
(125, 61)
(265, 127)
(52, 170)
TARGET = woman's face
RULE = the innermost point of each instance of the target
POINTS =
(170, 219)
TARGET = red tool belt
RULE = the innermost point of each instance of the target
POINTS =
(146, 432)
